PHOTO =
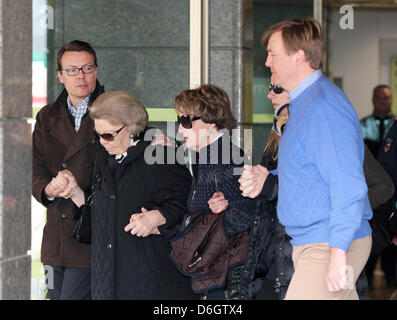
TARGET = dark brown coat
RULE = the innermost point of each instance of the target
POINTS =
(56, 146)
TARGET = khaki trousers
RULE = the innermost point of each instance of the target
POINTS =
(311, 263)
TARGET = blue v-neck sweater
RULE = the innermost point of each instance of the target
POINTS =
(322, 189)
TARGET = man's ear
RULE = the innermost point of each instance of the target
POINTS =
(300, 57)
(60, 76)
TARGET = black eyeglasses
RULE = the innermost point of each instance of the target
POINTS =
(108, 136)
(74, 71)
(276, 89)
(186, 121)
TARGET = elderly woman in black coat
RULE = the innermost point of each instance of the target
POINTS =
(132, 203)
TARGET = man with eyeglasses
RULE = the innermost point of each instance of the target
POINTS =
(63, 138)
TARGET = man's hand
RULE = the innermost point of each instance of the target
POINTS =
(73, 190)
(57, 186)
(145, 223)
(72, 186)
(252, 180)
(64, 185)
(337, 276)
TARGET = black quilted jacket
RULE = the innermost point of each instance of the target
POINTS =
(218, 167)
(126, 266)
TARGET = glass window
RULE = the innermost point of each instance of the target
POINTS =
(142, 47)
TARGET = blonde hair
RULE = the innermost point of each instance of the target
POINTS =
(271, 148)
(120, 107)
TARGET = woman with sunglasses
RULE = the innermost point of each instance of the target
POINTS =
(206, 122)
(132, 204)
(271, 257)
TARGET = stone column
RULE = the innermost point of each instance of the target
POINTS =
(15, 147)
(231, 56)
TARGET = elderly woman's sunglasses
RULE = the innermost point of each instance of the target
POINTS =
(186, 121)
(108, 136)
(276, 89)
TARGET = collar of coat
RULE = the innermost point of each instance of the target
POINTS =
(158, 154)
(64, 131)
(61, 103)
(133, 153)
(219, 151)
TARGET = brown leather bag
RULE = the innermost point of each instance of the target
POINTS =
(204, 252)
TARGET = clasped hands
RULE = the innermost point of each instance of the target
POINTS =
(252, 180)
(145, 223)
(64, 185)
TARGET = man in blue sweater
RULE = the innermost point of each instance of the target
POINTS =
(322, 200)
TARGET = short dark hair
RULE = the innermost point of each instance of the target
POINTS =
(379, 87)
(208, 102)
(75, 45)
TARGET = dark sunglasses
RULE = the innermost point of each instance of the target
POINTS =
(108, 136)
(276, 89)
(186, 121)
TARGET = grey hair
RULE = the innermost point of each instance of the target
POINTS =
(120, 107)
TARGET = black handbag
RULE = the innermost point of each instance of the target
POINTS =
(82, 229)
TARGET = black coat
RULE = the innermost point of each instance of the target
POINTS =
(269, 250)
(387, 157)
(380, 193)
(218, 169)
(126, 266)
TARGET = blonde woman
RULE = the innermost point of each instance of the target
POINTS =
(271, 250)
